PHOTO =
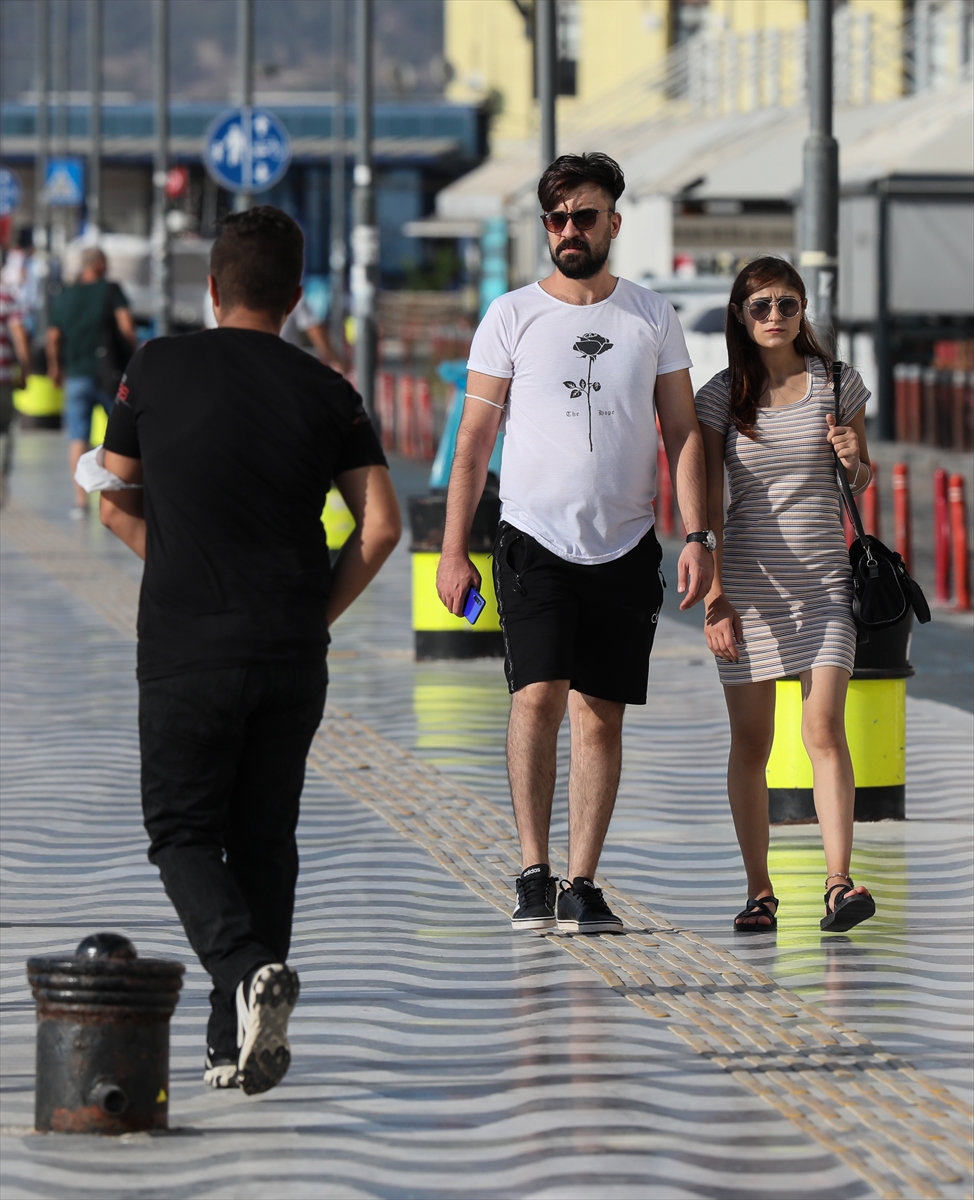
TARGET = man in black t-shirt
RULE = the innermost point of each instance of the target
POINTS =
(235, 438)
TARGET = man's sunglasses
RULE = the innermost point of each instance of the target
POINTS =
(787, 306)
(583, 219)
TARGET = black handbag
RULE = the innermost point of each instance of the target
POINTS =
(883, 591)
(114, 351)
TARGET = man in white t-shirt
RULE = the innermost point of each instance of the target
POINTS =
(577, 366)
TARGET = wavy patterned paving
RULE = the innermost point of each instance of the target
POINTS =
(445, 714)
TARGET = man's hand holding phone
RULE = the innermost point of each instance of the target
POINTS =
(454, 579)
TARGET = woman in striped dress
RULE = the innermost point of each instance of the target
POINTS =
(781, 601)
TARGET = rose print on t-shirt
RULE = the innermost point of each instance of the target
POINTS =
(590, 346)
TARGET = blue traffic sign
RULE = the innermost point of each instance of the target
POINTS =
(64, 184)
(247, 150)
(10, 192)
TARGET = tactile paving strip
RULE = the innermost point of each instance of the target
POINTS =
(903, 1133)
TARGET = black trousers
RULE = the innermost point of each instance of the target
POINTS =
(223, 761)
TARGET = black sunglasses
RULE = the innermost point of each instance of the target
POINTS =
(583, 219)
(787, 306)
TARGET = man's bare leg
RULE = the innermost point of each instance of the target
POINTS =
(75, 450)
(532, 738)
(594, 778)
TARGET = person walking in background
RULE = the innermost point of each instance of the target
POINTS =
(87, 321)
(236, 437)
(576, 560)
(781, 599)
(14, 365)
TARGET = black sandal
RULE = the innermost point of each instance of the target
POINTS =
(845, 912)
(758, 908)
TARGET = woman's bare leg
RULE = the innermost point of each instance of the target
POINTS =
(823, 732)
(750, 707)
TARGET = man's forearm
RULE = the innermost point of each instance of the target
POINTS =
(121, 512)
(355, 569)
(691, 480)
(467, 479)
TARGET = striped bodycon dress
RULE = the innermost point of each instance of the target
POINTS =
(785, 563)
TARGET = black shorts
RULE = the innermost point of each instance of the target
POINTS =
(590, 624)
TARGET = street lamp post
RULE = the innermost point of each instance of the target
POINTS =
(94, 116)
(820, 193)
(545, 68)
(160, 232)
(42, 34)
(337, 253)
(365, 234)
(245, 68)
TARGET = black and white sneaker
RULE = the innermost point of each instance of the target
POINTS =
(535, 899)
(220, 1070)
(263, 1010)
(581, 909)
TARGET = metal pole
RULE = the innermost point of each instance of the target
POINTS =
(245, 79)
(820, 194)
(365, 234)
(337, 256)
(42, 33)
(546, 67)
(160, 233)
(59, 54)
(94, 116)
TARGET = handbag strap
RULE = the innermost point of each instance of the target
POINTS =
(844, 486)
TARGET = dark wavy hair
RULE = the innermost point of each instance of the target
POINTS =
(571, 171)
(748, 376)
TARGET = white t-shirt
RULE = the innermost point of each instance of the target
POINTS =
(579, 465)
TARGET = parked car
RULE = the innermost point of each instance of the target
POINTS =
(701, 305)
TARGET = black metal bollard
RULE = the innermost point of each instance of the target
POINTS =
(103, 1038)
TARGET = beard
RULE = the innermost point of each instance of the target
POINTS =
(587, 262)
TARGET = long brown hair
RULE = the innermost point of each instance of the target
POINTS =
(748, 376)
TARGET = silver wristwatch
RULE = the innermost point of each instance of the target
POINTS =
(706, 537)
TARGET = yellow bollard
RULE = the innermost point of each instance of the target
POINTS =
(875, 725)
(40, 402)
(337, 520)
(438, 634)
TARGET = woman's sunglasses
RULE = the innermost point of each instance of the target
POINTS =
(583, 219)
(787, 306)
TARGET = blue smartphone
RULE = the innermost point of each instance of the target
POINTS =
(473, 606)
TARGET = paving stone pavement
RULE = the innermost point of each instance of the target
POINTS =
(435, 1052)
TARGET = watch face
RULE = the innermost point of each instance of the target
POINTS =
(711, 540)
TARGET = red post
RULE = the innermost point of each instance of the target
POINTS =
(941, 539)
(901, 514)
(404, 416)
(664, 493)
(870, 503)
(424, 419)
(386, 405)
(958, 532)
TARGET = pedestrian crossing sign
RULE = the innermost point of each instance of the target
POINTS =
(64, 183)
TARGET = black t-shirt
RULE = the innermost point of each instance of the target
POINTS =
(240, 437)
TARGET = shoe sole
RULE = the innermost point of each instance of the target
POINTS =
(591, 926)
(266, 1053)
(533, 923)
(849, 916)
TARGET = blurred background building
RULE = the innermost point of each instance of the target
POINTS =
(702, 101)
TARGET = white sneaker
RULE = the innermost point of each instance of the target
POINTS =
(220, 1072)
(262, 1018)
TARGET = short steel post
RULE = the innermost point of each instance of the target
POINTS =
(820, 192)
(160, 232)
(94, 116)
(365, 234)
